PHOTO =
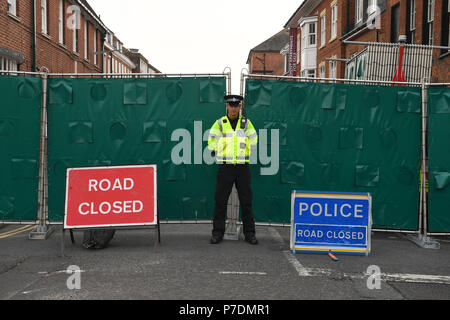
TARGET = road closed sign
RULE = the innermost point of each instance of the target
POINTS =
(331, 222)
(120, 196)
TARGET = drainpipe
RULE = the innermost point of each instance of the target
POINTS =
(33, 43)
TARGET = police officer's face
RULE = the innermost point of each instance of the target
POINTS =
(233, 111)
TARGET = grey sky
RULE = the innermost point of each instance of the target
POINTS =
(195, 36)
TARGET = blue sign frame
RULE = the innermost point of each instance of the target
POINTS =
(336, 222)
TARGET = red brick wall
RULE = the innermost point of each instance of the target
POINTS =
(274, 63)
(346, 14)
(332, 47)
(16, 34)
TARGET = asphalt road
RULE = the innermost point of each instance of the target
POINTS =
(186, 267)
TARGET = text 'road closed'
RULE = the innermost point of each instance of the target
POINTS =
(111, 196)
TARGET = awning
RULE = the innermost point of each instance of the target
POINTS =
(12, 55)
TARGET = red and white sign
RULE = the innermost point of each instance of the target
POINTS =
(293, 52)
(111, 197)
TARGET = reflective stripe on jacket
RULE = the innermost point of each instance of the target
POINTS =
(232, 146)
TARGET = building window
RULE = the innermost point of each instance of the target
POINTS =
(323, 20)
(395, 23)
(8, 65)
(430, 20)
(333, 69)
(44, 16)
(334, 18)
(322, 71)
(61, 21)
(303, 38)
(430, 11)
(298, 50)
(359, 10)
(109, 38)
(312, 34)
(95, 46)
(309, 35)
(75, 39)
(286, 64)
(86, 40)
(445, 22)
(427, 22)
(411, 20)
(12, 7)
(371, 7)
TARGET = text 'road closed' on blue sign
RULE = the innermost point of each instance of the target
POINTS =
(331, 222)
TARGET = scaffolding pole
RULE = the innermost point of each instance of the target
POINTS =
(43, 230)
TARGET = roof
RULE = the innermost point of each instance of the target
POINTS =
(305, 9)
(273, 44)
(91, 11)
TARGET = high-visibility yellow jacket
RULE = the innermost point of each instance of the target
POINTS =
(232, 146)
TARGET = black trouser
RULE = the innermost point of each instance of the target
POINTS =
(226, 177)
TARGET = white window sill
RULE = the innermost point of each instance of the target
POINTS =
(46, 35)
(14, 17)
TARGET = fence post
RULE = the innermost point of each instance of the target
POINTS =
(43, 231)
(232, 230)
(422, 238)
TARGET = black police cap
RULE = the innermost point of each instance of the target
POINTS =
(233, 99)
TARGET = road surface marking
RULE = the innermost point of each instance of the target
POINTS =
(243, 273)
(16, 231)
(387, 277)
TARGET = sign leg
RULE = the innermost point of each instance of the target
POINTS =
(72, 237)
(159, 231)
(62, 242)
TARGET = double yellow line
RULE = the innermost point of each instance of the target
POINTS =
(16, 231)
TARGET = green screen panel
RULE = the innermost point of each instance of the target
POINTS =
(337, 137)
(108, 122)
(19, 147)
(439, 159)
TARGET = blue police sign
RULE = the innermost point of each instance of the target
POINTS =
(331, 222)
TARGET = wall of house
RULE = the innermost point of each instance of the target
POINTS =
(16, 34)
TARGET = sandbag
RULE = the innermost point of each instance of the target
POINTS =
(97, 238)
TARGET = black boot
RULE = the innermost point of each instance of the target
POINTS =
(251, 239)
(216, 239)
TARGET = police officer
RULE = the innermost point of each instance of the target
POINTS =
(232, 138)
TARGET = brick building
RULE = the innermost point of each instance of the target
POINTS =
(142, 64)
(61, 36)
(324, 25)
(266, 58)
(40, 33)
(114, 58)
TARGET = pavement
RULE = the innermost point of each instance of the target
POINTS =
(186, 267)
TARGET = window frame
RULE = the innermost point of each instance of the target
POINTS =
(322, 71)
(333, 69)
(12, 7)
(61, 19)
(430, 21)
(334, 20)
(312, 35)
(75, 40)
(95, 46)
(430, 11)
(86, 39)
(323, 29)
(44, 17)
(359, 10)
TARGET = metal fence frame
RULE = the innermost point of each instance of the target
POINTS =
(42, 221)
(42, 215)
(424, 85)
